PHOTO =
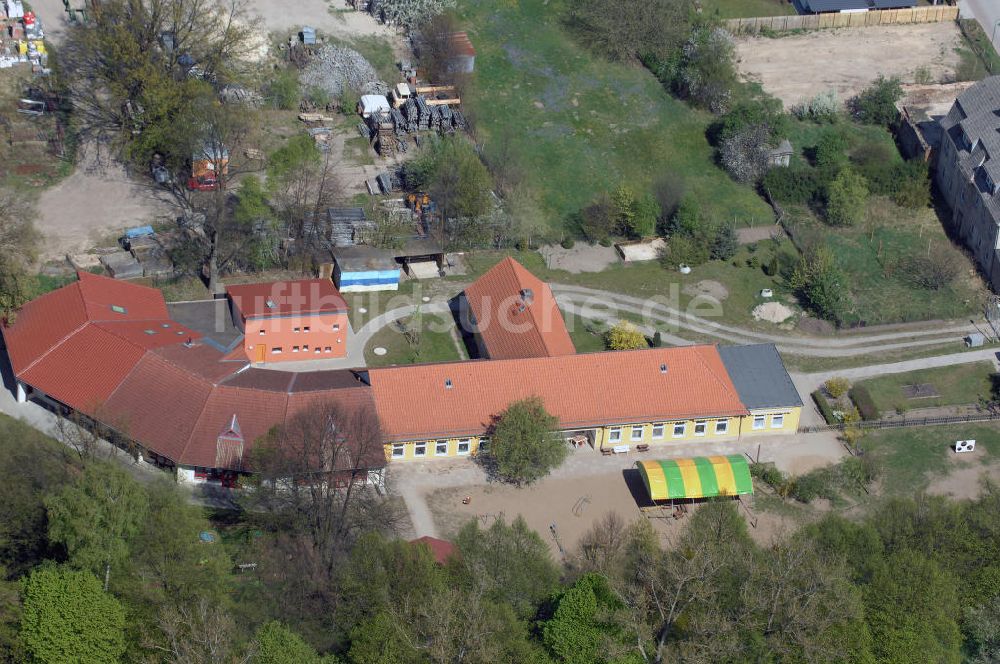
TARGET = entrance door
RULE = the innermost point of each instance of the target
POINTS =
(260, 350)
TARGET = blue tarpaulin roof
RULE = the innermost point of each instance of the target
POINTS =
(139, 231)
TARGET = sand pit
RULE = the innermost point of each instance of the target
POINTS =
(772, 312)
(581, 258)
(707, 288)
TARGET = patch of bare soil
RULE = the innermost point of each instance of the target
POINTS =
(796, 68)
(965, 479)
(815, 326)
(708, 288)
(772, 312)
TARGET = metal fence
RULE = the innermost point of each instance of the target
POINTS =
(904, 422)
(842, 20)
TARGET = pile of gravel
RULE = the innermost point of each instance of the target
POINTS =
(336, 69)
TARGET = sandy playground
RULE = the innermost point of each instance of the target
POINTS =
(796, 68)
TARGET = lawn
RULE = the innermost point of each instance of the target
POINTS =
(957, 385)
(577, 125)
(912, 457)
(436, 343)
(585, 335)
(748, 8)
(978, 57)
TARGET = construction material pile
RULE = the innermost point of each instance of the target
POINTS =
(414, 116)
(337, 70)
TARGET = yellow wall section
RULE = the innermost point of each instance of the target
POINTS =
(410, 448)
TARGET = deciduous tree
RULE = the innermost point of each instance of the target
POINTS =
(524, 443)
(625, 336)
(68, 618)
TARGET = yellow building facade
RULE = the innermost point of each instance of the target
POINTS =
(759, 423)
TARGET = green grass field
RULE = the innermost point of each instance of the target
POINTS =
(576, 125)
(957, 385)
(748, 8)
(912, 458)
(436, 344)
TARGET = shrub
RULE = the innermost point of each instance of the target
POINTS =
(796, 184)
(725, 244)
(913, 186)
(824, 107)
(684, 249)
(283, 91)
(818, 282)
(862, 398)
(824, 407)
(567, 243)
(831, 149)
(816, 484)
(645, 213)
(768, 474)
(605, 242)
(934, 270)
(625, 336)
(837, 386)
(744, 154)
(597, 220)
(846, 198)
(771, 267)
(876, 104)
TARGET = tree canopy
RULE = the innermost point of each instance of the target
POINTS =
(524, 443)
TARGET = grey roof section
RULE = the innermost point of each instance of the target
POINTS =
(893, 4)
(361, 258)
(211, 318)
(974, 120)
(835, 5)
(760, 376)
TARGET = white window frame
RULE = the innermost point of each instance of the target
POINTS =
(295, 329)
(276, 350)
(437, 446)
(780, 418)
(261, 332)
(683, 426)
(640, 429)
(615, 435)
(295, 349)
(721, 427)
(398, 450)
(420, 449)
(759, 422)
(662, 427)
(336, 327)
(467, 442)
(704, 427)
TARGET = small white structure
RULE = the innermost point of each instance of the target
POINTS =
(974, 340)
(685, 268)
(965, 446)
(372, 104)
(766, 292)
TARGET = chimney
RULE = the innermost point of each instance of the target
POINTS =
(663, 368)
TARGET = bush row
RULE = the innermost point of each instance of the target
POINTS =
(862, 398)
(824, 407)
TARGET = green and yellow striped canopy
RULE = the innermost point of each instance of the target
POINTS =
(700, 477)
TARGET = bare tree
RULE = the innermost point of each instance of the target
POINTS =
(198, 634)
(18, 249)
(311, 476)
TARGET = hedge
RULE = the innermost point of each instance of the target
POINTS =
(824, 407)
(863, 400)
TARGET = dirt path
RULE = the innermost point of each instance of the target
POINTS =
(796, 68)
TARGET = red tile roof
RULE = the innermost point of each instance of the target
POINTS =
(287, 298)
(416, 402)
(442, 550)
(516, 314)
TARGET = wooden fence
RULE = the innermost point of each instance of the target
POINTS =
(843, 20)
(904, 422)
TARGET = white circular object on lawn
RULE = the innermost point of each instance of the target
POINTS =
(425, 299)
(378, 350)
(362, 310)
(685, 269)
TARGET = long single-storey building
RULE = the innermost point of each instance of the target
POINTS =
(110, 350)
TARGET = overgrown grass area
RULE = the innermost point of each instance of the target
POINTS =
(957, 385)
(576, 125)
(912, 458)
(28, 155)
(872, 254)
(978, 58)
(435, 344)
(748, 8)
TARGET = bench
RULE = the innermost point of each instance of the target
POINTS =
(642, 448)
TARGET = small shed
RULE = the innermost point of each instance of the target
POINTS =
(975, 340)
(371, 104)
(462, 59)
(362, 268)
(699, 477)
(781, 155)
(308, 36)
(122, 265)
